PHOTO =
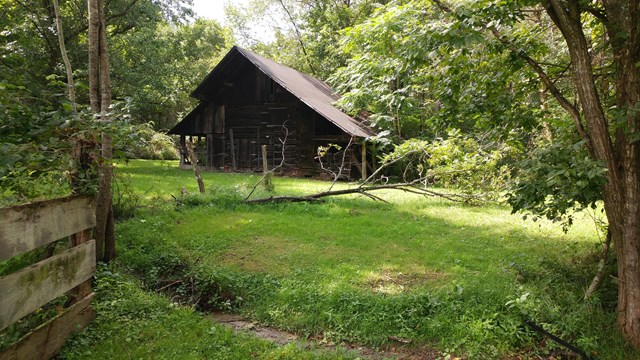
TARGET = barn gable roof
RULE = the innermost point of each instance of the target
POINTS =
(311, 91)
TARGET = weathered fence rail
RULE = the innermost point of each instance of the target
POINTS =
(28, 227)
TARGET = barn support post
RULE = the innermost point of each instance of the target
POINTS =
(210, 151)
(374, 154)
(265, 169)
(233, 150)
(364, 160)
(183, 148)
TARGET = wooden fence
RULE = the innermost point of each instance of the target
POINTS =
(31, 226)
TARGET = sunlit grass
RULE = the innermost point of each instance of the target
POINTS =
(351, 268)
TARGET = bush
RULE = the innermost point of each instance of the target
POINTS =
(143, 142)
(457, 162)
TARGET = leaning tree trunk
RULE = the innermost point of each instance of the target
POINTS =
(71, 92)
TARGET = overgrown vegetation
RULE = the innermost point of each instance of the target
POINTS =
(143, 142)
(157, 52)
(461, 279)
(132, 323)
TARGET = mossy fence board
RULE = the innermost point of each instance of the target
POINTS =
(28, 227)
(31, 288)
(45, 341)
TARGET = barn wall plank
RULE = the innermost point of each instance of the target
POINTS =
(47, 340)
(28, 289)
(26, 227)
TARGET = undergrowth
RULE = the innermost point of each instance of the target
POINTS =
(459, 279)
(135, 324)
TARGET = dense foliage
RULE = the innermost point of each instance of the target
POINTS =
(457, 162)
(158, 53)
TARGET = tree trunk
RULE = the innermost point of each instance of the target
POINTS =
(110, 246)
(100, 97)
(65, 58)
(93, 35)
(620, 154)
(623, 217)
(624, 18)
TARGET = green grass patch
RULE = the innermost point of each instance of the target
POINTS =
(456, 277)
(135, 324)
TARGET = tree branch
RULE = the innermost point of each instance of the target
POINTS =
(336, 176)
(551, 86)
(299, 36)
(65, 58)
(282, 161)
(37, 26)
(597, 13)
(597, 279)
(417, 186)
(122, 13)
(566, 15)
(409, 187)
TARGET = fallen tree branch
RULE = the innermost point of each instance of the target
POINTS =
(410, 187)
(282, 199)
(417, 186)
(539, 329)
(597, 279)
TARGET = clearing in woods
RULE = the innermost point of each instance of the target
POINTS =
(414, 272)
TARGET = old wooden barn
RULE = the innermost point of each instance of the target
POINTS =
(248, 101)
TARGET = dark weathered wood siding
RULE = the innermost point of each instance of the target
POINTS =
(259, 111)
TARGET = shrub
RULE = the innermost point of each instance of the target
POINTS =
(457, 162)
(143, 142)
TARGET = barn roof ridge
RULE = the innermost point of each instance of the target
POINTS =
(313, 92)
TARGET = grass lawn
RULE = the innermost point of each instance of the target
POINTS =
(457, 278)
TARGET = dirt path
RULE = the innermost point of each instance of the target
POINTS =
(400, 351)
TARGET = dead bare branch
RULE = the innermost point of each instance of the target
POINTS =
(283, 141)
(335, 175)
(597, 279)
(193, 159)
(416, 186)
